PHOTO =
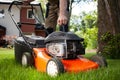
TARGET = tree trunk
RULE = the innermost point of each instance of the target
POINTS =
(108, 19)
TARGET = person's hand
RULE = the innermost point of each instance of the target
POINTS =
(62, 20)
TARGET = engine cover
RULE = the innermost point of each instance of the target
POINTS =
(61, 36)
(64, 44)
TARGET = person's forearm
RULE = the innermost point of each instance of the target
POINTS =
(63, 7)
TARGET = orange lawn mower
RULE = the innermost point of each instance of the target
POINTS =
(57, 53)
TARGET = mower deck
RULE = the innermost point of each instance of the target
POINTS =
(70, 65)
(80, 64)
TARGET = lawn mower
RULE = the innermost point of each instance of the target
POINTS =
(57, 53)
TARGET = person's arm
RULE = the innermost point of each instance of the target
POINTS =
(63, 19)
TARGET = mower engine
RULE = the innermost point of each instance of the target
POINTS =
(64, 45)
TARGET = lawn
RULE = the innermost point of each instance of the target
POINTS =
(11, 70)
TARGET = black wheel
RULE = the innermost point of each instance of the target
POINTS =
(54, 67)
(27, 59)
(101, 61)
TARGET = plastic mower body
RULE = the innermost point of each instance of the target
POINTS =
(69, 65)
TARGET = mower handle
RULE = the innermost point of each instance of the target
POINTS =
(63, 28)
(9, 11)
(14, 3)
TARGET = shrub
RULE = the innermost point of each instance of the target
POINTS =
(112, 45)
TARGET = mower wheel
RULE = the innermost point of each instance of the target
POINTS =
(54, 67)
(100, 60)
(27, 59)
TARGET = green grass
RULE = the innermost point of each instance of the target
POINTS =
(11, 70)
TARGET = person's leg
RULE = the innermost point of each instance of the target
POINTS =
(51, 18)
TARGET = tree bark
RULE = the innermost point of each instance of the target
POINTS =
(108, 19)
